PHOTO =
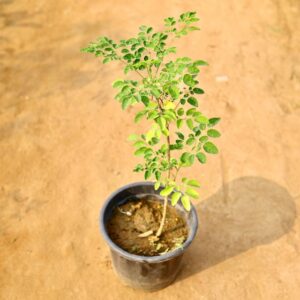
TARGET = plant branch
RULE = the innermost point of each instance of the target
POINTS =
(125, 63)
(169, 153)
(175, 176)
(162, 223)
(139, 73)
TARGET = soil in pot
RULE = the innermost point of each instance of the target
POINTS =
(133, 226)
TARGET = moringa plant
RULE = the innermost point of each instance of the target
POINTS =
(167, 91)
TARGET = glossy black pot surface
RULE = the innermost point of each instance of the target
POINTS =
(145, 272)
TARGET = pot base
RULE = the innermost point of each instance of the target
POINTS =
(146, 276)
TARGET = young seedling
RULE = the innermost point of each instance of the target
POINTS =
(167, 91)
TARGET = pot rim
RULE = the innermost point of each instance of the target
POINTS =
(141, 258)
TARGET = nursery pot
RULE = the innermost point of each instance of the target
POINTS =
(145, 272)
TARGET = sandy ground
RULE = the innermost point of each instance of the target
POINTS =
(63, 149)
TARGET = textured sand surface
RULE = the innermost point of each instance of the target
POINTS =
(63, 149)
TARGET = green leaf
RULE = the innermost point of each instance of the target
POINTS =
(139, 144)
(147, 174)
(154, 141)
(201, 119)
(133, 137)
(126, 102)
(143, 28)
(149, 30)
(197, 114)
(127, 69)
(190, 141)
(138, 168)
(211, 148)
(200, 63)
(162, 124)
(169, 22)
(175, 197)
(140, 50)
(203, 139)
(118, 83)
(191, 159)
(148, 153)
(126, 90)
(155, 92)
(106, 60)
(164, 148)
(128, 56)
(139, 116)
(185, 157)
(193, 69)
(214, 121)
(193, 28)
(170, 115)
(156, 185)
(189, 123)
(169, 105)
(185, 200)
(174, 91)
(164, 37)
(184, 180)
(192, 193)
(201, 157)
(193, 101)
(180, 135)
(191, 111)
(189, 80)
(153, 114)
(193, 182)
(145, 100)
(198, 91)
(140, 152)
(166, 191)
(213, 133)
(180, 112)
(179, 123)
(157, 175)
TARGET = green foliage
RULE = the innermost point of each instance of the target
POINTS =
(167, 92)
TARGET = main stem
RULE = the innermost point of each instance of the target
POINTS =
(162, 223)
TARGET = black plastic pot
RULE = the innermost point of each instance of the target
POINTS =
(145, 272)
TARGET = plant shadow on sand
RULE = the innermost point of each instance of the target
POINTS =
(243, 214)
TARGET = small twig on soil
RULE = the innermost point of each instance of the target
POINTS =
(127, 213)
(146, 234)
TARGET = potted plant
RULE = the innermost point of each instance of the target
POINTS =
(146, 234)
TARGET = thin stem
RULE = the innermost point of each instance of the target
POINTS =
(158, 69)
(169, 153)
(175, 176)
(159, 104)
(149, 72)
(177, 104)
(125, 63)
(139, 73)
(162, 223)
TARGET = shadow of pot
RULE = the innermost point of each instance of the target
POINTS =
(243, 214)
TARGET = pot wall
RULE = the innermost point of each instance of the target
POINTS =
(145, 272)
